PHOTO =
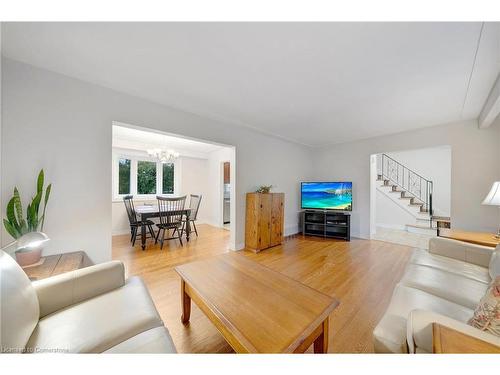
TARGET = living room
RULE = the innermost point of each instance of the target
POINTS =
(297, 110)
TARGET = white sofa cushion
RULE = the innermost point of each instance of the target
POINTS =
(494, 267)
(66, 289)
(19, 306)
(469, 270)
(156, 340)
(98, 324)
(464, 251)
(447, 285)
(390, 334)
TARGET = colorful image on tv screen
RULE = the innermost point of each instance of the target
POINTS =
(327, 195)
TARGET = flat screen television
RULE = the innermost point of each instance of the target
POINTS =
(326, 195)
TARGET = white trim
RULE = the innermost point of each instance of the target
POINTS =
(491, 107)
(391, 226)
(360, 236)
(238, 247)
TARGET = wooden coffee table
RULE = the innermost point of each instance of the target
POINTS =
(256, 309)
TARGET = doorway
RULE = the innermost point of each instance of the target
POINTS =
(226, 207)
(410, 193)
(194, 171)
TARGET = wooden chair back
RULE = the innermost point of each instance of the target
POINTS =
(194, 205)
(128, 200)
(171, 210)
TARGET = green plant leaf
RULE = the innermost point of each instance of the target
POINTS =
(28, 216)
(15, 224)
(39, 182)
(32, 217)
(11, 216)
(10, 229)
(35, 202)
(19, 211)
(47, 195)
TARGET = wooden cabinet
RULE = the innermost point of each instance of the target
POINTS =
(264, 220)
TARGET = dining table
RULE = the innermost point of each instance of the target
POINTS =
(146, 212)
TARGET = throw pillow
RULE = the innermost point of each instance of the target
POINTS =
(487, 314)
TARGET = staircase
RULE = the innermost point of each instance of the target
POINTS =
(410, 191)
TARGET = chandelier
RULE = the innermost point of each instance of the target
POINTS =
(163, 156)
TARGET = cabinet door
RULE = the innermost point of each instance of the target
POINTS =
(265, 221)
(277, 219)
(252, 222)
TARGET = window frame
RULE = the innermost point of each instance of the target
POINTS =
(134, 158)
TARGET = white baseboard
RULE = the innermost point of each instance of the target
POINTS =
(120, 232)
(360, 236)
(391, 226)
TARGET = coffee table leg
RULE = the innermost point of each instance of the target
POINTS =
(186, 303)
(321, 343)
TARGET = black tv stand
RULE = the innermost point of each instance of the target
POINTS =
(326, 223)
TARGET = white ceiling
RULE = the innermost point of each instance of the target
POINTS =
(125, 137)
(313, 83)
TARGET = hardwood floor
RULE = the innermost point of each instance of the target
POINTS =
(361, 274)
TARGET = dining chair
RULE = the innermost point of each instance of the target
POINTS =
(194, 205)
(128, 200)
(171, 211)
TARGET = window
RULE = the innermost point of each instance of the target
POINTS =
(146, 177)
(124, 176)
(142, 177)
(168, 178)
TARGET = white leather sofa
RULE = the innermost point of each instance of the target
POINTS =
(91, 310)
(442, 285)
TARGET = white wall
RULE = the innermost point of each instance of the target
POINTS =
(64, 125)
(474, 166)
(194, 180)
(389, 214)
(434, 164)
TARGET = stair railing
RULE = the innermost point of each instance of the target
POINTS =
(410, 181)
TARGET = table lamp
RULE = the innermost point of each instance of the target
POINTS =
(493, 199)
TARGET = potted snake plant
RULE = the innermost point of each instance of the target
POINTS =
(28, 231)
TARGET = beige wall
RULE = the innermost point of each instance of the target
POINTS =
(475, 164)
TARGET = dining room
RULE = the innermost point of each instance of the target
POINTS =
(168, 191)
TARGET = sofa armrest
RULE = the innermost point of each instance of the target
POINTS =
(66, 289)
(464, 251)
(419, 330)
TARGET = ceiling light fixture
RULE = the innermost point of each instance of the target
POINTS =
(163, 156)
